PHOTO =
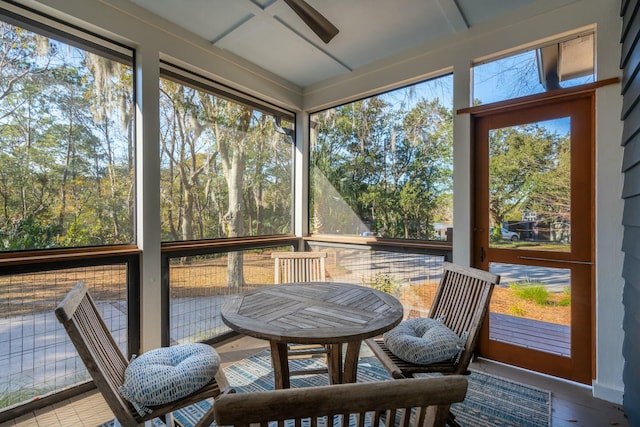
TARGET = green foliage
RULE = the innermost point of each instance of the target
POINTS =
(227, 173)
(496, 235)
(385, 161)
(29, 233)
(382, 282)
(517, 311)
(531, 292)
(566, 299)
(67, 154)
(529, 169)
(66, 159)
(538, 293)
(13, 397)
(19, 396)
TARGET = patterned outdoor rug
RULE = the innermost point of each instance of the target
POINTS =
(490, 401)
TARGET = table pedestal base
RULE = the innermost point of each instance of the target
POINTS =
(340, 371)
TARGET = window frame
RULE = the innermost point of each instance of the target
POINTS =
(194, 80)
(81, 38)
(433, 246)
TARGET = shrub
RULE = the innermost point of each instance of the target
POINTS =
(382, 282)
(536, 293)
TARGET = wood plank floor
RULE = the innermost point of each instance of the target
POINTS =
(572, 404)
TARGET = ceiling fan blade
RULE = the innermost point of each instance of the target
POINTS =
(318, 23)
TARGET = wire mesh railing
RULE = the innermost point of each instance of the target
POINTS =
(37, 358)
(411, 277)
(199, 285)
(36, 355)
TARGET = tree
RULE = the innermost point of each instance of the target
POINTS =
(58, 110)
(518, 156)
(390, 162)
(231, 123)
(348, 152)
(529, 169)
(550, 195)
(428, 147)
(190, 150)
(111, 97)
(226, 169)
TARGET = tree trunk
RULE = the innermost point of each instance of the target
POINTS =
(233, 218)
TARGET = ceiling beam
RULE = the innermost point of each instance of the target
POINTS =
(256, 11)
(454, 15)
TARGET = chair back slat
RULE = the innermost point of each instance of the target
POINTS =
(375, 418)
(412, 402)
(97, 348)
(299, 267)
(106, 353)
(107, 364)
(462, 301)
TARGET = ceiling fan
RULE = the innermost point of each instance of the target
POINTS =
(318, 23)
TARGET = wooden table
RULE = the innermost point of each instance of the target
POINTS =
(332, 314)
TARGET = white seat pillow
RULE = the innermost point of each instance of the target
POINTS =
(424, 341)
(166, 374)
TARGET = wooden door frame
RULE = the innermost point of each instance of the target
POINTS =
(581, 366)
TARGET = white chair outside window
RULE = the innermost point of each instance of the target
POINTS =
(296, 267)
(299, 267)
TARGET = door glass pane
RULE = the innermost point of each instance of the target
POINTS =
(531, 308)
(530, 186)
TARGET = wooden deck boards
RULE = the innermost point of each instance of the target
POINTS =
(529, 333)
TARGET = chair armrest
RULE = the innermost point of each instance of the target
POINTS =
(375, 346)
(278, 405)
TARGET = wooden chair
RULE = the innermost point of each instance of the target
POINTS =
(106, 363)
(390, 401)
(462, 302)
(299, 267)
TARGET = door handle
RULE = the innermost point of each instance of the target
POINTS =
(564, 261)
(481, 253)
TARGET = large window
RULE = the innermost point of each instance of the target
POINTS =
(226, 163)
(382, 166)
(66, 139)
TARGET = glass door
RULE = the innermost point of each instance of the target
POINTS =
(533, 225)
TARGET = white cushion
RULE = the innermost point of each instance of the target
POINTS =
(424, 341)
(166, 374)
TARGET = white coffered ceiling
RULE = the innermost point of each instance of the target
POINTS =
(269, 34)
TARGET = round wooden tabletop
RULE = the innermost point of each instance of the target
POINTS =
(313, 313)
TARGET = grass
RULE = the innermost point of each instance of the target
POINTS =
(536, 293)
(19, 396)
(566, 298)
(518, 311)
(533, 301)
